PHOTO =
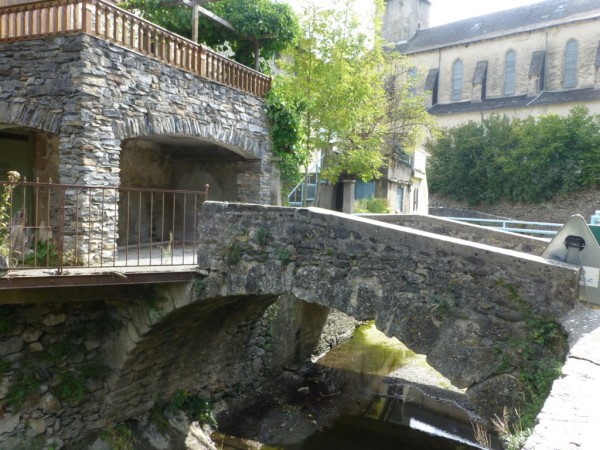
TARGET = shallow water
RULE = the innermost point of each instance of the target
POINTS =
(370, 413)
(360, 433)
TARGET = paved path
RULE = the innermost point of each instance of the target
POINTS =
(570, 418)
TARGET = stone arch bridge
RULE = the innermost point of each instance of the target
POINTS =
(265, 281)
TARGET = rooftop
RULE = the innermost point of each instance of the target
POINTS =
(517, 20)
(519, 101)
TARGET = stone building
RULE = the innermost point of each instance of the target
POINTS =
(530, 60)
(91, 95)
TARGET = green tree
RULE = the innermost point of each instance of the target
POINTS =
(518, 160)
(263, 27)
(336, 75)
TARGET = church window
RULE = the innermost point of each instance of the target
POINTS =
(571, 55)
(510, 73)
(457, 79)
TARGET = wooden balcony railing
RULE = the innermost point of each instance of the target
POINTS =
(50, 226)
(106, 21)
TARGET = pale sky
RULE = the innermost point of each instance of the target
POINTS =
(442, 11)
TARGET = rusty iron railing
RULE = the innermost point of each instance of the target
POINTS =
(51, 226)
(118, 26)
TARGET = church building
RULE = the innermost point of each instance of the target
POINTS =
(531, 60)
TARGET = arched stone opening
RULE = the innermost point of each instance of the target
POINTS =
(181, 163)
(224, 349)
(210, 347)
(32, 152)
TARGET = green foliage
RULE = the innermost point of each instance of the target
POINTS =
(194, 406)
(338, 76)
(119, 437)
(31, 443)
(44, 255)
(59, 351)
(285, 127)
(517, 160)
(440, 305)
(4, 365)
(24, 384)
(262, 26)
(262, 236)
(54, 364)
(7, 319)
(6, 191)
(71, 386)
(284, 255)
(371, 206)
(233, 254)
(198, 286)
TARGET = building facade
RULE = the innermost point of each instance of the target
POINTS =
(531, 60)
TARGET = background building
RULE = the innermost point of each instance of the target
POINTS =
(531, 60)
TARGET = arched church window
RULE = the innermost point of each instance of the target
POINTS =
(510, 73)
(457, 79)
(571, 56)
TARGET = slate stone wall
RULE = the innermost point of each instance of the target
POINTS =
(94, 95)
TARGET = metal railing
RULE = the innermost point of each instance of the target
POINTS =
(118, 26)
(514, 226)
(47, 225)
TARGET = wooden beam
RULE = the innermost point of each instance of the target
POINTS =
(195, 20)
(195, 4)
(219, 20)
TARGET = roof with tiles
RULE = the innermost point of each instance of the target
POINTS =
(519, 101)
(526, 18)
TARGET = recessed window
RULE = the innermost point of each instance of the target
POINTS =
(400, 199)
(571, 56)
(457, 79)
(510, 73)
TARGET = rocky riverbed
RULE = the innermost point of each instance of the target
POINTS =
(364, 377)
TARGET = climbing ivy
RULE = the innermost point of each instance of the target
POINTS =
(285, 129)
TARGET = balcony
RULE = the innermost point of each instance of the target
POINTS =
(102, 235)
(106, 21)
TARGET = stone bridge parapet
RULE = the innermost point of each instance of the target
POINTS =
(453, 300)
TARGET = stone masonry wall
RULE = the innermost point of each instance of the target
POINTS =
(450, 299)
(73, 367)
(93, 95)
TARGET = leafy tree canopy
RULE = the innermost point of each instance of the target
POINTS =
(262, 26)
(529, 159)
(336, 77)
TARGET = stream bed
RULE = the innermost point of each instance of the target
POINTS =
(370, 393)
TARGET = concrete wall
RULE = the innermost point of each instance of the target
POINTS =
(467, 232)
(557, 210)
